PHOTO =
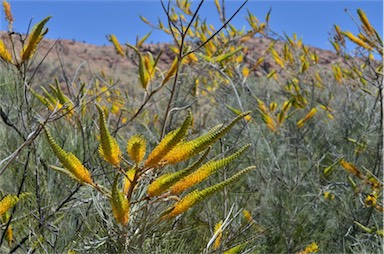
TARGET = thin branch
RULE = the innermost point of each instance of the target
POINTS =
(218, 31)
(8, 122)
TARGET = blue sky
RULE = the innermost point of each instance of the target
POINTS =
(91, 21)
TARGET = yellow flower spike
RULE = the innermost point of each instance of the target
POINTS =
(366, 40)
(248, 118)
(116, 106)
(370, 200)
(311, 248)
(168, 142)
(277, 58)
(78, 170)
(164, 182)
(9, 235)
(366, 25)
(286, 105)
(192, 58)
(262, 106)
(118, 48)
(140, 42)
(196, 196)
(337, 73)
(259, 61)
(227, 55)
(4, 53)
(350, 168)
(356, 40)
(34, 39)
(269, 121)
(205, 171)
(148, 62)
(217, 229)
(185, 150)
(120, 204)
(218, 7)
(302, 121)
(172, 70)
(328, 195)
(245, 71)
(281, 116)
(338, 33)
(8, 13)
(70, 162)
(7, 203)
(272, 106)
(143, 72)
(247, 215)
(128, 179)
(236, 249)
(240, 59)
(108, 149)
(304, 67)
(136, 148)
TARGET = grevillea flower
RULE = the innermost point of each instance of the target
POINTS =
(70, 162)
(187, 149)
(236, 249)
(302, 121)
(350, 168)
(128, 180)
(218, 230)
(162, 183)
(311, 248)
(4, 53)
(118, 48)
(168, 142)
(196, 196)
(366, 24)
(9, 235)
(172, 70)
(136, 148)
(8, 202)
(269, 121)
(108, 149)
(120, 204)
(34, 39)
(8, 14)
(204, 172)
(247, 215)
(356, 40)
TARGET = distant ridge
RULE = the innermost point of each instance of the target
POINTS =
(78, 59)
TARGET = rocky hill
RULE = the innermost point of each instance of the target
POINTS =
(76, 59)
